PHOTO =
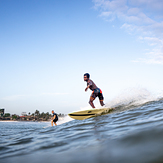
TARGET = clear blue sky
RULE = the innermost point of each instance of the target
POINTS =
(47, 46)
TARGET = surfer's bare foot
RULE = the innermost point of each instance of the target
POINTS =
(102, 103)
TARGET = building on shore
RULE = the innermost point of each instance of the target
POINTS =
(24, 114)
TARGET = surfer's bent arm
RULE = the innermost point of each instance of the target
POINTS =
(89, 84)
(53, 117)
(87, 87)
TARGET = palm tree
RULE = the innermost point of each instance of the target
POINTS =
(47, 115)
(37, 113)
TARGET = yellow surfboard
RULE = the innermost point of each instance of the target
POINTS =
(81, 115)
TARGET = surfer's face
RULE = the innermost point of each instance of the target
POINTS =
(85, 78)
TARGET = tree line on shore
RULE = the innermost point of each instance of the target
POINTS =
(36, 116)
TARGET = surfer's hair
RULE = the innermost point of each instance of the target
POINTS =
(87, 75)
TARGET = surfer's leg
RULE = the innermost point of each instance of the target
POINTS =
(92, 98)
(102, 102)
(91, 102)
(101, 99)
(52, 122)
(55, 120)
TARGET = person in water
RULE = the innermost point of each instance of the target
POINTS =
(54, 118)
(96, 91)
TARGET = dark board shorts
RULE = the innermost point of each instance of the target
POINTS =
(97, 93)
(55, 120)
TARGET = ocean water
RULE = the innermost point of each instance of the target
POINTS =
(133, 132)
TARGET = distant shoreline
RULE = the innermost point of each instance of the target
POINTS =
(35, 117)
(21, 121)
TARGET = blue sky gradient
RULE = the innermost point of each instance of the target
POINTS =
(47, 46)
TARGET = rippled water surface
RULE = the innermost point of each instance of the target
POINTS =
(132, 133)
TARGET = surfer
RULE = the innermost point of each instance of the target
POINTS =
(54, 118)
(96, 91)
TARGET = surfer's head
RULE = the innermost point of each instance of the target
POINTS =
(52, 111)
(86, 77)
